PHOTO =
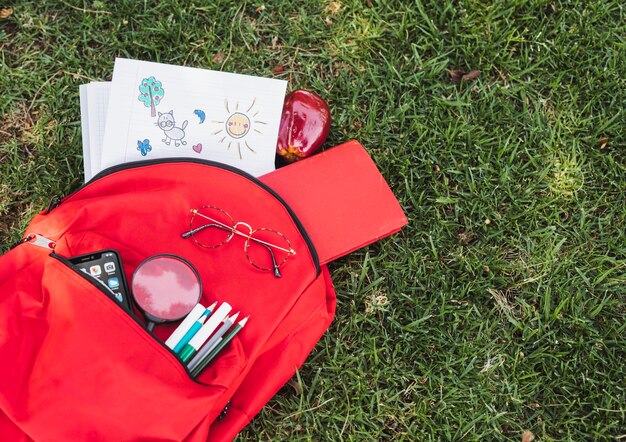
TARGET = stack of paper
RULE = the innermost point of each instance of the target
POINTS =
(152, 110)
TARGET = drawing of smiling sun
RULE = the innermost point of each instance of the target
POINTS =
(238, 125)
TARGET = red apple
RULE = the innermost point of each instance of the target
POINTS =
(304, 125)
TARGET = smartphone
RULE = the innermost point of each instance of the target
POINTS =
(106, 267)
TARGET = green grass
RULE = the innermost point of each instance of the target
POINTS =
(501, 307)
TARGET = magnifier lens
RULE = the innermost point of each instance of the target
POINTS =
(166, 288)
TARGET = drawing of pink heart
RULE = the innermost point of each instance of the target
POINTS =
(197, 148)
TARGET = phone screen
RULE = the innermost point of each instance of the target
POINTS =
(106, 266)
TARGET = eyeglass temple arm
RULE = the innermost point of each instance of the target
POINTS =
(206, 226)
(269, 249)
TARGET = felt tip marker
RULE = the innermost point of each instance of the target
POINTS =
(221, 344)
(180, 331)
(194, 329)
(184, 326)
(206, 348)
(205, 331)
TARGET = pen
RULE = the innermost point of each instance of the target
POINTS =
(184, 326)
(194, 328)
(206, 348)
(222, 343)
(205, 331)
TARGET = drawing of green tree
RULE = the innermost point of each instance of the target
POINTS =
(151, 93)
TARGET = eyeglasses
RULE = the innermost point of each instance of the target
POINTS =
(266, 249)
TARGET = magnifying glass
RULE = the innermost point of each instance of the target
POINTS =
(166, 288)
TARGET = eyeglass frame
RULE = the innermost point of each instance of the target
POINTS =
(234, 231)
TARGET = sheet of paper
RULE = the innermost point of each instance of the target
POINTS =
(98, 99)
(159, 111)
(84, 122)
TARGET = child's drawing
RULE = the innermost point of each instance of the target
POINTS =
(200, 113)
(219, 116)
(144, 147)
(168, 125)
(238, 124)
(151, 93)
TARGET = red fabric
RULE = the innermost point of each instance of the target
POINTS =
(75, 366)
(341, 198)
(305, 324)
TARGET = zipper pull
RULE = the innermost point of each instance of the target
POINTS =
(36, 239)
(55, 202)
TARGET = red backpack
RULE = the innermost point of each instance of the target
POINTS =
(75, 366)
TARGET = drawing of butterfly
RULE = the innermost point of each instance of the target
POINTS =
(144, 147)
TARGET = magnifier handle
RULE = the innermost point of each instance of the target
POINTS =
(150, 326)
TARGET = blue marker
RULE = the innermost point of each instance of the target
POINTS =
(187, 323)
(193, 329)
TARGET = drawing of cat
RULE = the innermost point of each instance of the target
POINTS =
(167, 124)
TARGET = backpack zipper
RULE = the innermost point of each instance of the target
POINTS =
(56, 201)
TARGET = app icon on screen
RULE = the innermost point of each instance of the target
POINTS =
(113, 282)
(95, 270)
(109, 267)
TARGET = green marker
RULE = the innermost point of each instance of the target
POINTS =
(222, 343)
(213, 341)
